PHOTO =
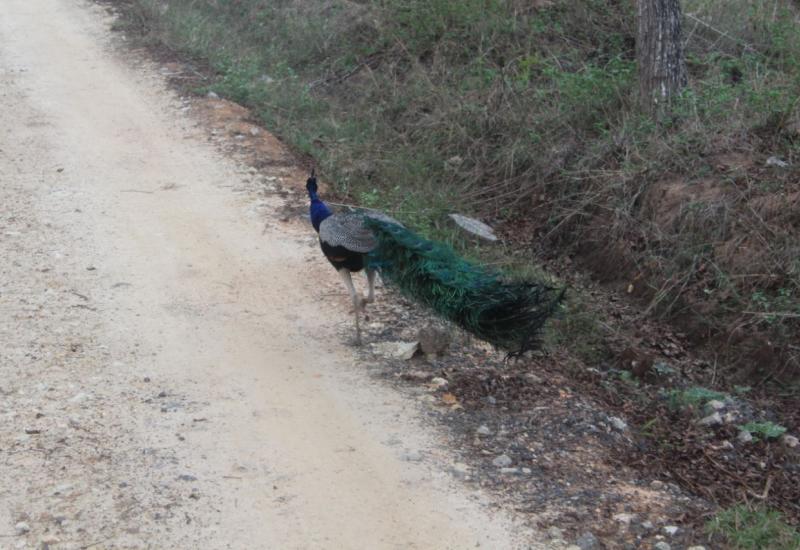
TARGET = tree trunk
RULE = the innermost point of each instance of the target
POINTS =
(659, 52)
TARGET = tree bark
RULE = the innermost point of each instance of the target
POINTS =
(659, 53)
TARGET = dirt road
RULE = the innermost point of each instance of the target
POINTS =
(170, 372)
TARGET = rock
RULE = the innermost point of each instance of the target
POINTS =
(790, 441)
(460, 470)
(502, 461)
(212, 95)
(657, 485)
(509, 470)
(433, 341)
(711, 420)
(474, 227)
(186, 477)
(744, 437)
(671, 530)
(696, 548)
(397, 350)
(623, 518)
(618, 423)
(439, 382)
(648, 525)
(483, 430)
(491, 400)
(555, 533)
(715, 405)
(661, 546)
(730, 417)
(573, 547)
(775, 161)
(22, 527)
(588, 541)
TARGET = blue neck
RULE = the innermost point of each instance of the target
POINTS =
(319, 210)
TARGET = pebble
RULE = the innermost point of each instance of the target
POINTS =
(647, 525)
(22, 527)
(671, 530)
(715, 405)
(662, 546)
(502, 461)
(744, 437)
(483, 430)
(509, 470)
(212, 95)
(588, 541)
(790, 441)
(711, 420)
(554, 532)
(618, 423)
(696, 548)
(623, 518)
(491, 400)
(657, 485)
(460, 469)
(439, 382)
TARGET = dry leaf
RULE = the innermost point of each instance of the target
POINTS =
(449, 399)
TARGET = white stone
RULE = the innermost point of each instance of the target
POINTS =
(502, 461)
(483, 430)
(618, 423)
(711, 420)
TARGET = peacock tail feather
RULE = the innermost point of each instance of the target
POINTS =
(509, 315)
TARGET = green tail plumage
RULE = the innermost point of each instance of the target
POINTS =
(509, 315)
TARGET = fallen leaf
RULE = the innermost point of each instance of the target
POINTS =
(449, 399)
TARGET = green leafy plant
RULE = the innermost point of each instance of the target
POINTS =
(767, 430)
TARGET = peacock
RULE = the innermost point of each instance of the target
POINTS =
(508, 314)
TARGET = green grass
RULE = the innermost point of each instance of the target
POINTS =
(747, 528)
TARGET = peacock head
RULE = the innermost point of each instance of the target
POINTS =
(311, 186)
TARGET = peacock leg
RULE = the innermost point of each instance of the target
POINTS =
(358, 302)
(371, 280)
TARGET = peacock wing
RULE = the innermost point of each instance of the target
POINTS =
(347, 230)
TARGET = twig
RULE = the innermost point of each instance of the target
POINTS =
(782, 314)
(721, 32)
